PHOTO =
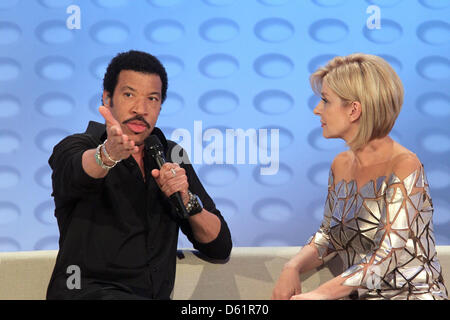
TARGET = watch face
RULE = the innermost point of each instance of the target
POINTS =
(196, 209)
(194, 204)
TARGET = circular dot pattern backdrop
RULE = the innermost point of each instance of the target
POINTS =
(231, 65)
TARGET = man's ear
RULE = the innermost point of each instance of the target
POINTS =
(106, 99)
(355, 111)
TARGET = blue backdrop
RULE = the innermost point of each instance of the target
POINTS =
(231, 64)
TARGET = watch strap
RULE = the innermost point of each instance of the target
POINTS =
(193, 206)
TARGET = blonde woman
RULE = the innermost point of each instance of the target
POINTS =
(378, 211)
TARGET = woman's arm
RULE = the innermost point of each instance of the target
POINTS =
(311, 255)
(289, 283)
(330, 290)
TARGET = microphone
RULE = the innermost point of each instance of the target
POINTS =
(155, 148)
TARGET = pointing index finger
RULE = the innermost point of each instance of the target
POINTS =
(109, 118)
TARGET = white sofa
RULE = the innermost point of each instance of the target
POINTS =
(250, 273)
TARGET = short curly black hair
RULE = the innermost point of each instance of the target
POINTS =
(136, 61)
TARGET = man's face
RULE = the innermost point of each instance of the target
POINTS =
(136, 103)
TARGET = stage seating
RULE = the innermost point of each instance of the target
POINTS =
(249, 274)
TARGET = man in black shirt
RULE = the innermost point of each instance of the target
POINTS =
(118, 227)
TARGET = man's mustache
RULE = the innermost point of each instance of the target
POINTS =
(139, 118)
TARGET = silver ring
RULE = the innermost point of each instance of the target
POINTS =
(173, 172)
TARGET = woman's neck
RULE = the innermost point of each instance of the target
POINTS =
(375, 152)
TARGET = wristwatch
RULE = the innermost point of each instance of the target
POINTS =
(193, 206)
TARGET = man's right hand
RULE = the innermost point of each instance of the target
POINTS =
(287, 285)
(119, 146)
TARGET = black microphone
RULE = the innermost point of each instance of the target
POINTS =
(155, 148)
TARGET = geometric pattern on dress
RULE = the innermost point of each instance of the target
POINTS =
(384, 235)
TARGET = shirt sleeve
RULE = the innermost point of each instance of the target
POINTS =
(321, 239)
(69, 179)
(405, 200)
(219, 248)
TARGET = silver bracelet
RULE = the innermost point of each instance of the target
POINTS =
(107, 154)
(98, 159)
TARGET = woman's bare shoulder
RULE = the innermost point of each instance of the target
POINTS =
(404, 162)
(342, 161)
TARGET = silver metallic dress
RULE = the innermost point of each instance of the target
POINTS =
(384, 235)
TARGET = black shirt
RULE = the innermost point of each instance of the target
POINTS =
(120, 230)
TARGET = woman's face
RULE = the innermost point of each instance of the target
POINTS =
(334, 115)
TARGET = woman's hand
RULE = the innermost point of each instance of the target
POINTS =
(287, 285)
(309, 296)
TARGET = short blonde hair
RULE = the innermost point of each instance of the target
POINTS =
(371, 81)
